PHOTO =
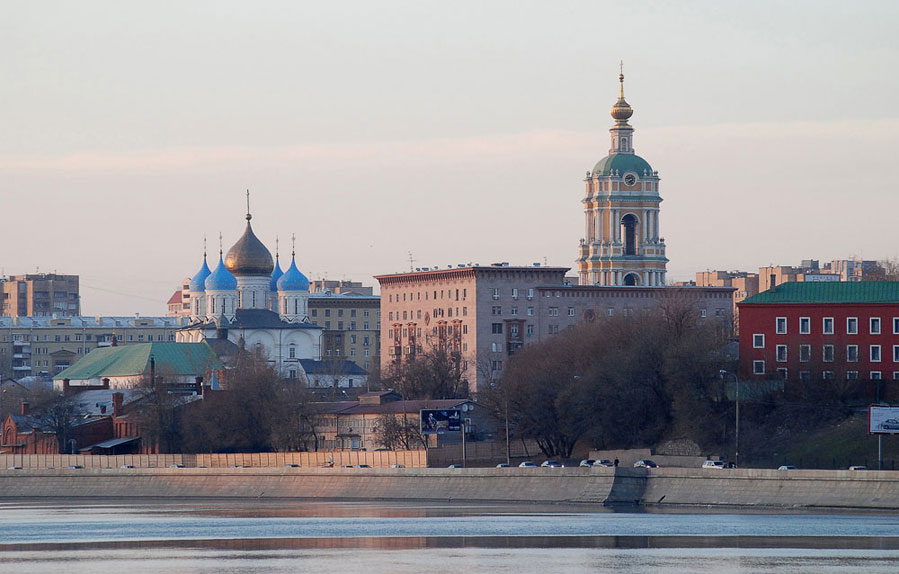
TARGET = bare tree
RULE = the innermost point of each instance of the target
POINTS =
(59, 417)
(399, 432)
(887, 270)
(433, 374)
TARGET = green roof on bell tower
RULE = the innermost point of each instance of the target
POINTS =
(620, 163)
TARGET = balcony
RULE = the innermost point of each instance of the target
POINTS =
(22, 368)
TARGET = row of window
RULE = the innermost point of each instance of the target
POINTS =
(436, 312)
(336, 353)
(515, 291)
(758, 368)
(352, 326)
(365, 312)
(459, 295)
(827, 353)
(827, 325)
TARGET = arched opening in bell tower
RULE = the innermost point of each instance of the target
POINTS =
(629, 233)
(631, 280)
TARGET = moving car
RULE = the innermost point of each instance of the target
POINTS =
(552, 464)
(787, 467)
(713, 464)
(503, 465)
(603, 462)
(858, 467)
(455, 466)
(645, 463)
(527, 464)
(587, 462)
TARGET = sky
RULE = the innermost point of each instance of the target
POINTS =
(457, 132)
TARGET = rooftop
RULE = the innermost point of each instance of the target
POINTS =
(803, 292)
(131, 360)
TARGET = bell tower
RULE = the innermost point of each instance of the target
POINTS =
(621, 209)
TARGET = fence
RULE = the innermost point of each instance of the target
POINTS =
(410, 459)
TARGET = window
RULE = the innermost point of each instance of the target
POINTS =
(781, 351)
(327, 312)
(781, 325)
(875, 325)
(497, 328)
(292, 352)
(530, 330)
(530, 311)
(571, 311)
(876, 375)
(496, 347)
(805, 353)
(828, 353)
(514, 311)
(827, 325)
(496, 293)
(827, 375)
(515, 293)
(875, 353)
(782, 373)
(805, 375)
(896, 375)
(758, 340)
(496, 310)
(553, 311)
(851, 375)
(851, 325)
(896, 325)
(896, 353)
(851, 353)
(530, 294)
(805, 325)
(758, 367)
(353, 339)
(702, 313)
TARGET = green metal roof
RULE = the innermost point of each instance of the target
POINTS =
(804, 292)
(622, 162)
(131, 360)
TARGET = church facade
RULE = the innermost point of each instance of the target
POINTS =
(248, 301)
(621, 244)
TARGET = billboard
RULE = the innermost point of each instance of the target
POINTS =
(883, 420)
(439, 421)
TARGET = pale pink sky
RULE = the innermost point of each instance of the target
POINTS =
(460, 133)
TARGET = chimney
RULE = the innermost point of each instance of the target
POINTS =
(773, 281)
(114, 343)
(65, 386)
(117, 400)
(25, 408)
(102, 409)
(105, 383)
(198, 382)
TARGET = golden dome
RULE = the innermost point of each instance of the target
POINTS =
(249, 256)
(621, 111)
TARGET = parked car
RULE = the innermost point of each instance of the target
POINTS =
(858, 467)
(291, 466)
(713, 464)
(127, 466)
(527, 464)
(552, 464)
(362, 466)
(603, 462)
(397, 466)
(176, 466)
(503, 465)
(76, 466)
(645, 463)
(787, 467)
(587, 462)
(14, 468)
(455, 466)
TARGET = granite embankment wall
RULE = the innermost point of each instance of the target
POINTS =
(655, 487)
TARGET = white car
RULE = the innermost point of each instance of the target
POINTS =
(713, 464)
(527, 464)
(603, 462)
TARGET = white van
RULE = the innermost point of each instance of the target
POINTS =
(713, 464)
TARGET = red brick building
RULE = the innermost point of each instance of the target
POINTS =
(821, 331)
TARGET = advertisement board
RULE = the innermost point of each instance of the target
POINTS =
(439, 421)
(883, 420)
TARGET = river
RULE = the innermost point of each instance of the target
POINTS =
(365, 538)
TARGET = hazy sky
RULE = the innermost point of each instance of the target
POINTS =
(457, 131)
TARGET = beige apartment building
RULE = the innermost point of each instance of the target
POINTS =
(44, 346)
(39, 295)
(485, 314)
(352, 327)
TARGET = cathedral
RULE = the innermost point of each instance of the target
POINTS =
(247, 301)
(622, 246)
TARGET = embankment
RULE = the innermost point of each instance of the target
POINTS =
(748, 488)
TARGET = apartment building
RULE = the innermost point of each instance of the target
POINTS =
(46, 345)
(352, 327)
(39, 295)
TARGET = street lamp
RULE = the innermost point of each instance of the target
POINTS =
(724, 374)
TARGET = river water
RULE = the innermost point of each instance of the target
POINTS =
(364, 538)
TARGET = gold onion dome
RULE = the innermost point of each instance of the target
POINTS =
(621, 111)
(249, 256)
